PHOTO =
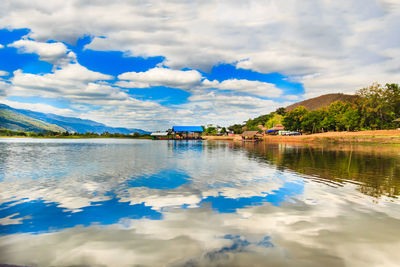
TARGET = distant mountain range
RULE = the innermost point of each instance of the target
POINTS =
(27, 120)
(322, 101)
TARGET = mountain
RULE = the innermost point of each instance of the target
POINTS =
(322, 101)
(27, 120)
(19, 122)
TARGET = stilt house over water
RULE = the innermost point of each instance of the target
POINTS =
(187, 132)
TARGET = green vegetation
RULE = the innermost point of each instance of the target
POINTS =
(18, 122)
(374, 108)
(52, 134)
(214, 130)
(211, 131)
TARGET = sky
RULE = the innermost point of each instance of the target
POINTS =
(153, 64)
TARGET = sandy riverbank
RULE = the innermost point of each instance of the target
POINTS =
(377, 136)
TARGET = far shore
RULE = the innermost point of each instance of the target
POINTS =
(359, 137)
(375, 136)
(75, 137)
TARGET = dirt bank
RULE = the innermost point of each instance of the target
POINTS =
(211, 137)
(378, 136)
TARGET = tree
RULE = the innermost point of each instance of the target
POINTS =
(236, 128)
(312, 121)
(211, 130)
(379, 106)
(276, 119)
(281, 111)
(293, 119)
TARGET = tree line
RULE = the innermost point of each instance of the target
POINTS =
(375, 108)
(66, 134)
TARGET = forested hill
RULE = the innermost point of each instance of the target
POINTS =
(26, 120)
(322, 101)
(376, 107)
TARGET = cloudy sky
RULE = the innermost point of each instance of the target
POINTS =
(152, 64)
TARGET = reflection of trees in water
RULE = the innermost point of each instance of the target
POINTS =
(376, 171)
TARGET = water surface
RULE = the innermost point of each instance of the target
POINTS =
(117, 202)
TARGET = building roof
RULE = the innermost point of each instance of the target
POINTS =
(159, 134)
(187, 129)
(278, 127)
(249, 133)
(261, 127)
(398, 120)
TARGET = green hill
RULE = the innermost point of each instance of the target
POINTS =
(18, 122)
(322, 101)
(40, 121)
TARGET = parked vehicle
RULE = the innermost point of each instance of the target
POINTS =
(289, 133)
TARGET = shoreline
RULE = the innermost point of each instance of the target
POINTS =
(360, 137)
(390, 137)
(72, 137)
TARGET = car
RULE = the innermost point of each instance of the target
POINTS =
(289, 133)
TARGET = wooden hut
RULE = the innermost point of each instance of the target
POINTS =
(262, 128)
(251, 136)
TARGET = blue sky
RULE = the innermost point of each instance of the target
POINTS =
(151, 65)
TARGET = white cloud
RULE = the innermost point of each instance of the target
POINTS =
(126, 84)
(3, 73)
(51, 52)
(11, 220)
(291, 97)
(163, 77)
(40, 107)
(327, 37)
(1, 46)
(4, 87)
(70, 81)
(329, 46)
(245, 86)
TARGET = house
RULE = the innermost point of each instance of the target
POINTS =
(276, 129)
(187, 132)
(251, 136)
(262, 128)
(159, 135)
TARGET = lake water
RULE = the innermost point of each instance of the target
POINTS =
(106, 202)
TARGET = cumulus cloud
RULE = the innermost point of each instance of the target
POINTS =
(162, 77)
(224, 108)
(4, 87)
(1, 46)
(328, 46)
(70, 81)
(257, 88)
(331, 38)
(40, 107)
(55, 53)
(4, 73)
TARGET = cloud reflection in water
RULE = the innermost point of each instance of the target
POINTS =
(105, 202)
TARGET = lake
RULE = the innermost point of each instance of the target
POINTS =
(123, 202)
